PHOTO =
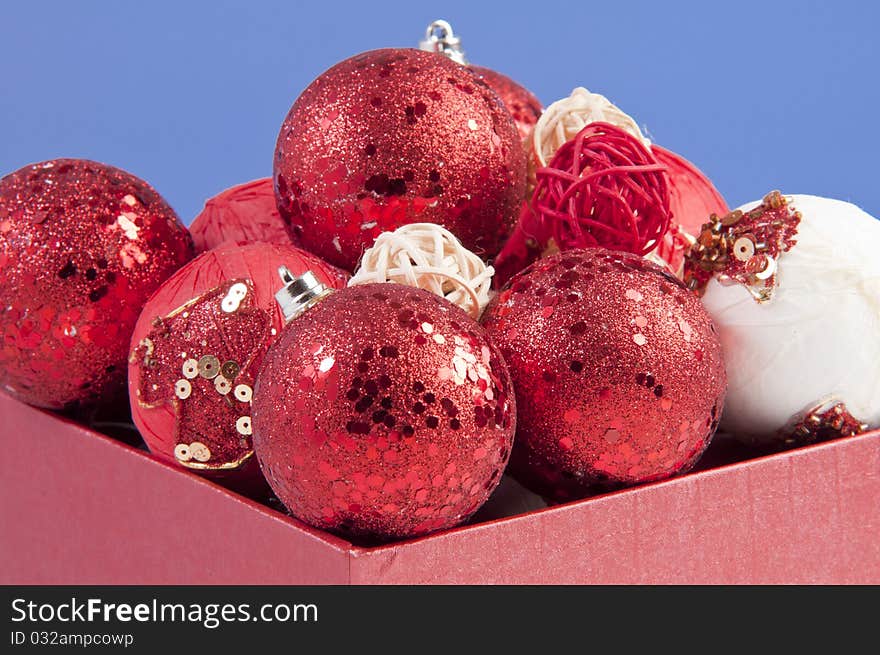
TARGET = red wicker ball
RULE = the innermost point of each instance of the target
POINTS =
(602, 188)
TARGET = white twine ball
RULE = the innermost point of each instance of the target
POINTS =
(562, 120)
(430, 257)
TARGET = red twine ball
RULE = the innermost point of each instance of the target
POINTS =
(603, 188)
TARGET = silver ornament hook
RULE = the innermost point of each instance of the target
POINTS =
(440, 38)
(298, 293)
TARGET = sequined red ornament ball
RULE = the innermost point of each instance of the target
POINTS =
(617, 368)
(397, 136)
(82, 247)
(383, 411)
(195, 353)
(243, 213)
(524, 107)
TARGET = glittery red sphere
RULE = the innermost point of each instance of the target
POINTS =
(524, 107)
(397, 136)
(383, 411)
(196, 349)
(244, 213)
(82, 247)
(617, 367)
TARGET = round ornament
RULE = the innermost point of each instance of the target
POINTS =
(82, 247)
(242, 214)
(524, 107)
(383, 412)
(692, 196)
(196, 350)
(617, 368)
(521, 103)
(602, 188)
(391, 137)
(793, 284)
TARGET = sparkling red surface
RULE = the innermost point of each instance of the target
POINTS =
(383, 411)
(82, 247)
(523, 106)
(602, 188)
(617, 368)
(185, 322)
(244, 213)
(397, 136)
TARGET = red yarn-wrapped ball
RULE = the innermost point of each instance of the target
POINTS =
(692, 196)
(383, 411)
(82, 247)
(195, 353)
(617, 368)
(602, 188)
(242, 214)
(524, 107)
(397, 136)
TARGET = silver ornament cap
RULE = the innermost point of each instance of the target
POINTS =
(440, 38)
(298, 293)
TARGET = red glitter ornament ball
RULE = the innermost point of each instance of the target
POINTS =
(242, 214)
(617, 367)
(524, 107)
(196, 349)
(383, 411)
(82, 247)
(397, 136)
(602, 188)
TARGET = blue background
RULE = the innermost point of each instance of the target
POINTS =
(190, 97)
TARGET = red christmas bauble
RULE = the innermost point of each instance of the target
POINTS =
(383, 411)
(617, 368)
(82, 247)
(692, 196)
(242, 214)
(524, 107)
(397, 136)
(195, 353)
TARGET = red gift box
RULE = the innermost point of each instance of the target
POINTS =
(79, 507)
